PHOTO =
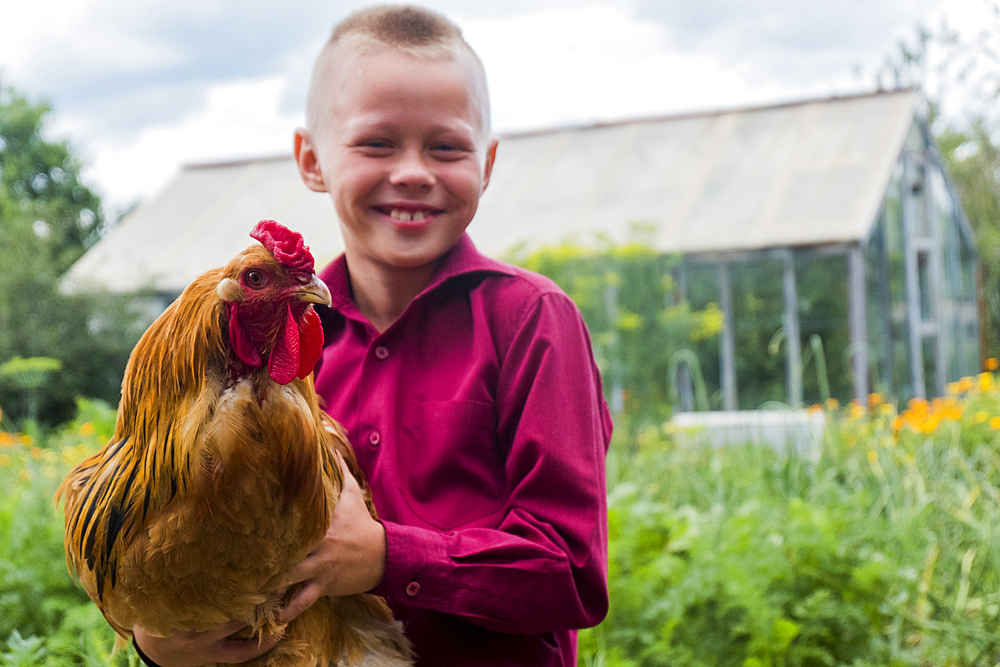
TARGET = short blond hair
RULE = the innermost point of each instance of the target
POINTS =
(417, 31)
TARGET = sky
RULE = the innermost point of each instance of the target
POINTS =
(139, 89)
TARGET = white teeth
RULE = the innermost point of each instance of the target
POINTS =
(406, 216)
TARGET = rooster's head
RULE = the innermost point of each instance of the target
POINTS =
(269, 291)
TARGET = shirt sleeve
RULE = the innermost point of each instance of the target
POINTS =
(544, 567)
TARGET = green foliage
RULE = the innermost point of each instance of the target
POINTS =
(636, 315)
(40, 181)
(878, 548)
(45, 617)
(47, 219)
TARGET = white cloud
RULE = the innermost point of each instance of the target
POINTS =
(53, 41)
(241, 119)
(602, 63)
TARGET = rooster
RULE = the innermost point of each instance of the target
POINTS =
(223, 471)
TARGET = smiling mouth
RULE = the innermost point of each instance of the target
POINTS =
(404, 215)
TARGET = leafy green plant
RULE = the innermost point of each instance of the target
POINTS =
(878, 547)
(45, 617)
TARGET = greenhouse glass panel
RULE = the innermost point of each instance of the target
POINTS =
(958, 291)
(822, 291)
(879, 301)
(897, 315)
(702, 289)
(930, 370)
(758, 326)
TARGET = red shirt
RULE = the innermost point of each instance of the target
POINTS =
(479, 419)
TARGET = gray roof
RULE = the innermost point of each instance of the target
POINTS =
(804, 173)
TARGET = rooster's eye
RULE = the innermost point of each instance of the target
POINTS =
(255, 279)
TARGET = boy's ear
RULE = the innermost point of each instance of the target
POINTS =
(491, 155)
(308, 161)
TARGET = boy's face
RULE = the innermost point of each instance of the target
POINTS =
(401, 149)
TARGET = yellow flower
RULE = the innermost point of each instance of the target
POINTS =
(981, 417)
(985, 381)
(995, 423)
(87, 428)
(964, 385)
(930, 424)
(992, 364)
(872, 456)
(857, 412)
(874, 399)
(831, 404)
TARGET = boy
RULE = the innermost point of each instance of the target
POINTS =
(467, 386)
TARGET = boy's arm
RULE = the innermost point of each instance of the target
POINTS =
(545, 566)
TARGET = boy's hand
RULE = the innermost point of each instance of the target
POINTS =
(190, 649)
(349, 559)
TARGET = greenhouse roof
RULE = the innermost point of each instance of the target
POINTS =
(802, 173)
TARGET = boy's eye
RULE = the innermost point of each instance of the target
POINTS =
(375, 147)
(448, 151)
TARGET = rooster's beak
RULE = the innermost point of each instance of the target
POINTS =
(315, 291)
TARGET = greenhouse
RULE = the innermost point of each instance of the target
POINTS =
(894, 311)
(826, 232)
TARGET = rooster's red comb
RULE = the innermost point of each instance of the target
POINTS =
(286, 246)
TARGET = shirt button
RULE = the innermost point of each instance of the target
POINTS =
(381, 352)
(412, 588)
(374, 438)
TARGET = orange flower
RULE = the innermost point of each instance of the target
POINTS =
(992, 364)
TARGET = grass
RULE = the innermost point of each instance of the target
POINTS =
(881, 547)
(45, 617)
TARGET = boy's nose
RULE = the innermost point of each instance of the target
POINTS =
(411, 170)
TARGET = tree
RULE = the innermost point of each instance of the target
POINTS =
(48, 218)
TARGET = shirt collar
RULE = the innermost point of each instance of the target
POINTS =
(462, 259)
